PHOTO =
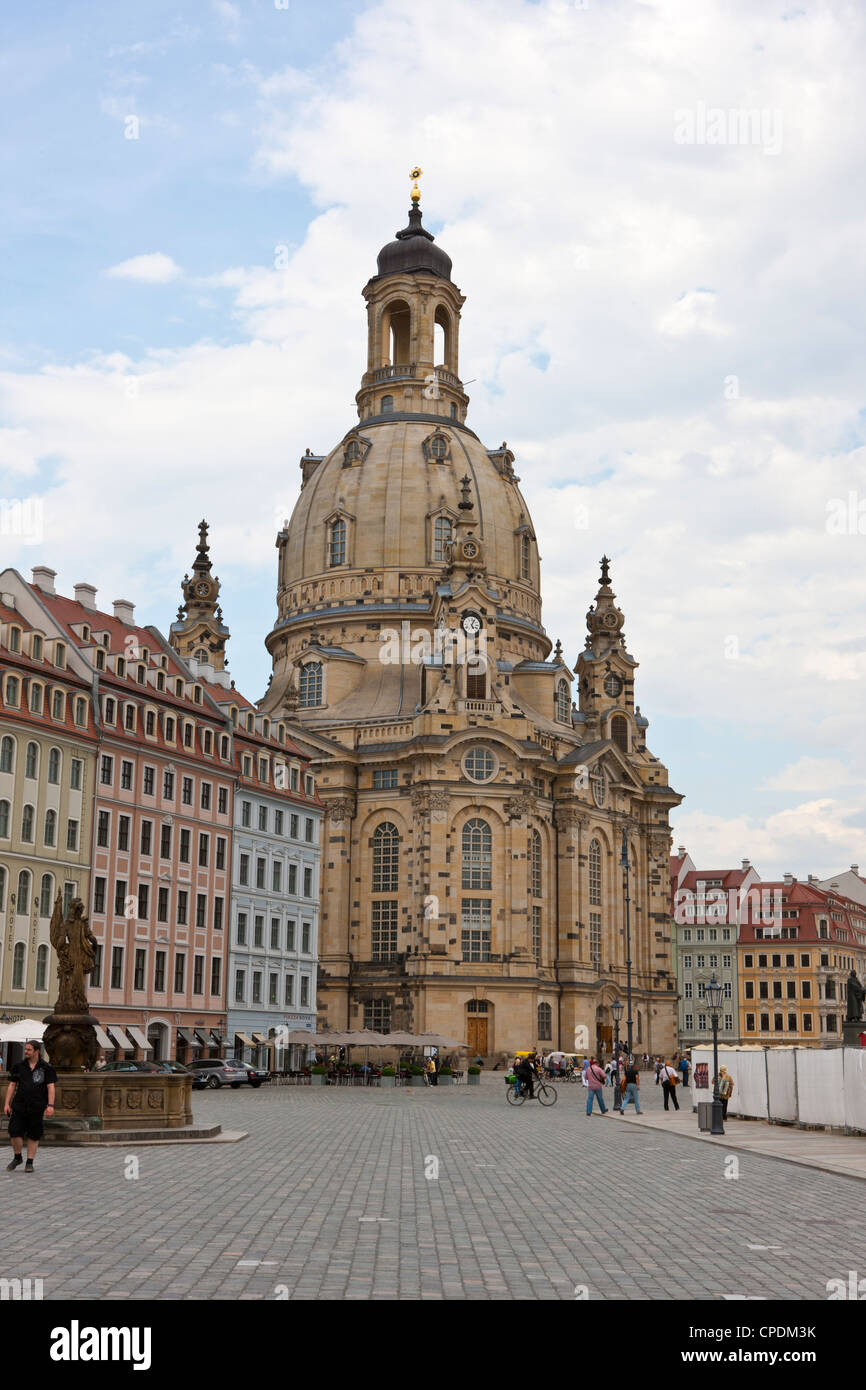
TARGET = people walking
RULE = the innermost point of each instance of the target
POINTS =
(29, 1098)
(595, 1083)
(632, 1086)
(726, 1089)
(684, 1068)
(669, 1080)
(659, 1065)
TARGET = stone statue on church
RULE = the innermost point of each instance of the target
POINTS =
(856, 995)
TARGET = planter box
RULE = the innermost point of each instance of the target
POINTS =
(416, 1081)
(317, 1080)
(473, 1080)
(387, 1080)
(445, 1080)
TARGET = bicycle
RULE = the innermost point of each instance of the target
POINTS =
(515, 1093)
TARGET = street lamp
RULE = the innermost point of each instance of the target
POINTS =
(714, 1002)
(624, 862)
(616, 1010)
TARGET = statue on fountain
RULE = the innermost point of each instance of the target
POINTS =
(70, 1036)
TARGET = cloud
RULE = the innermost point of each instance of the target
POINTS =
(694, 312)
(152, 269)
(812, 837)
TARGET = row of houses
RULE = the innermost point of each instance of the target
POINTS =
(782, 951)
(133, 775)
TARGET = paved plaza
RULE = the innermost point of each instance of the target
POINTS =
(444, 1193)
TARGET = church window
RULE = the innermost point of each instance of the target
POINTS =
(595, 940)
(563, 703)
(453, 410)
(476, 685)
(479, 765)
(595, 874)
(310, 684)
(442, 533)
(439, 447)
(384, 779)
(384, 929)
(524, 556)
(386, 405)
(477, 855)
(536, 933)
(545, 1020)
(337, 543)
(386, 858)
(353, 451)
(619, 731)
(475, 928)
(535, 864)
(377, 1015)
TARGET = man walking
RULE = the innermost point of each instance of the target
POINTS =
(632, 1086)
(595, 1083)
(684, 1068)
(670, 1081)
(29, 1098)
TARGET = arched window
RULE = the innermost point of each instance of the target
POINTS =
(12, 690)
(453, 410)
(50, 836)
(31, 760)
(442, 533)
(45, 895)
(386, 405)
(438, 447)
(35, 699)
(353, 451)
(545, 1023)
(42, 968)
(595, 874)
(477, 855)
(7, 754)
(563, 703)
(619, 731)
(386, 858)
(4, 820)
(18, 965)
(54, 766)
(310, 684)
(22, 900)
(27, 825)
(337, 543)
(535, 864)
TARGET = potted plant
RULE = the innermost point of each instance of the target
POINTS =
(317, 1075)
(473, 1076)
(388, 1077)
(446, 1076)
(416, 1076)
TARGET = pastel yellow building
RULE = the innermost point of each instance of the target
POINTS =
(471, 865)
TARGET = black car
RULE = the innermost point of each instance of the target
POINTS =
(255, 1075)
(152, 1068)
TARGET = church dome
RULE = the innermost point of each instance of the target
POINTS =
(413, 249)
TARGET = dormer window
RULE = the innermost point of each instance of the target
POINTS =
(196, 694)
(281, 733)
(224, 746)
(160, 681)
(169, 729)
(36, 647)
(337, 543)
(100, 659)
(563, 703)
(266, 728)
(178, 688)
(150, 723)
(120, 666)
(109, 710)
(14, 639)
(443, 533)
(141, 674)
(437, 448)
(353, 452)
(524, 556)
(234, 716)
(129, 717)
(208, 741)
(59, 654)
(310, 684)
(85, 632)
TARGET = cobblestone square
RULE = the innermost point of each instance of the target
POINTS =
(445, 1193)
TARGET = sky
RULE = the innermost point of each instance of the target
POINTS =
(656, 212)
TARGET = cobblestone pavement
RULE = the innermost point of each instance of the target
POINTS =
(330, 1197)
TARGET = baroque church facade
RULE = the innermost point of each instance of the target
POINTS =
(479, 794)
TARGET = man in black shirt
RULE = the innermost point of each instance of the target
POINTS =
(29, 1097)
(632, 1085)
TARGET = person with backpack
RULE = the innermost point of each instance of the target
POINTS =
(726, 1089)
(670, 1081)
(595, 1083)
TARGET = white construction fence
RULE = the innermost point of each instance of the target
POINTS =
(794, 1085)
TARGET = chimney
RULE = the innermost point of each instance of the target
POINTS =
(43, 578)
(85, 594)
(813, 878)
(788, 879)
(746, 864)
(855, 869)
(681, 851)
(123, 611)
(834, 887)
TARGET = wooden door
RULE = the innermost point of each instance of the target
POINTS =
(476, 1036)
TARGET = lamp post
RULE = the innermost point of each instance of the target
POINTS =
(616, 1010)
(714, 1001)
(624, 863)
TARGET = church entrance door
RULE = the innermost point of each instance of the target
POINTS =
(476, 1036)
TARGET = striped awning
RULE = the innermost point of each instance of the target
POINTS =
(247, 1041)
(204, 1036)
(189, 1037)
(218, 1037)
(105, 1042)
(138, 1038)
(120, 1037)
(260, 1039)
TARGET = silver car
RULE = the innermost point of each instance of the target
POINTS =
(214, 1072)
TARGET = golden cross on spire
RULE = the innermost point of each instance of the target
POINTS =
(415, 174)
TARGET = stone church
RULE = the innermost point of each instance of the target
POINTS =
(480, 794)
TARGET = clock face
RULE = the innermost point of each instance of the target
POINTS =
(470, 550)
(610, 620)
(471, 623)
(612, 686)
(202, 590)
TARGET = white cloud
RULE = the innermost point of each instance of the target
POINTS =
(694, 312)
(812, 837)
(152, 269)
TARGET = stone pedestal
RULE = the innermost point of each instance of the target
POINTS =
(70, 1041)
(851, 1032)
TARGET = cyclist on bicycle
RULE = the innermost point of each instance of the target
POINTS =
(525, 1072)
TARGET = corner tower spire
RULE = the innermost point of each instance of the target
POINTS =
(199, 633)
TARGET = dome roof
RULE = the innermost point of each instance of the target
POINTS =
(414, 249)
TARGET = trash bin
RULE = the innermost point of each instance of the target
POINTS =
(705, 1115)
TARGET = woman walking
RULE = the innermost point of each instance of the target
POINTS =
(595, 1083)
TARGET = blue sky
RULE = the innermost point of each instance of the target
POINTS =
(669, 335)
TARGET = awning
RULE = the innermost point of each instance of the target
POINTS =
(205, 1037)
(105, 1042)
(189, 1037)
(139, 1038)
(219, 1038)
(260, 1039)
(120, 1037)
(247, 1042)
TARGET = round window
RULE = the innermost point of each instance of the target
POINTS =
(612, 685)
(479, 765)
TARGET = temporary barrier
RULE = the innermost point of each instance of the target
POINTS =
(793, 1085)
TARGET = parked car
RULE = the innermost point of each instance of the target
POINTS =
(177, 1068)
(152, 1068)
(214, 1072)
(255, 1075)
